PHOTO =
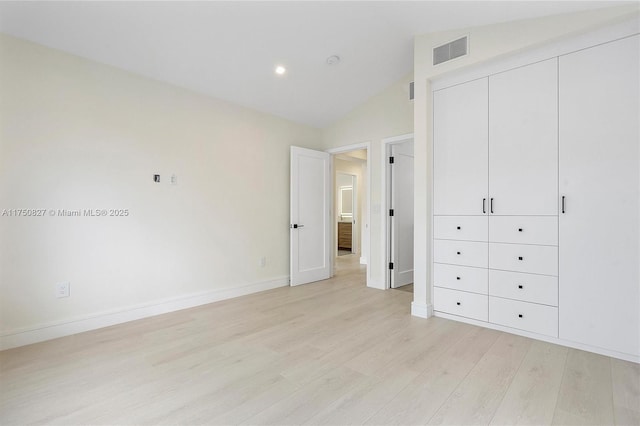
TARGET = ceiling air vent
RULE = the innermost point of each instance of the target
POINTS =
(451, 50)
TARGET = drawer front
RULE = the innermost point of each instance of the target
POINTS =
(467, 228)
(524, 229)
(460, 278)
(524, 258)
(464, 253)
(469, 305)
(526, 287)
(531, 317)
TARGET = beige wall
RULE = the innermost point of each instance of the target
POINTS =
(486, 43)
(389, 113)
(75, 134)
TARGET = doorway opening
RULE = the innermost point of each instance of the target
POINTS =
(351, 207)
(347, 212)
(398, 199)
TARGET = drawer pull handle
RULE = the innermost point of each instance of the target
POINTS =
(458, 252)
(491, 205)
(519, 229)
(457, 227)
(484, 205)
(520, 316)
(520, 258)
(457, 278)
(520, 286)
(458, 303)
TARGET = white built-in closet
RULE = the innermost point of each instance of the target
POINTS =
(536, 192)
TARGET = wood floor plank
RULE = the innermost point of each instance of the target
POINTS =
(586, 396)
(625, 380)
(532, 396)
(420, 400)
(478, 396)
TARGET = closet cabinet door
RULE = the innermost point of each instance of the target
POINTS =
(599, 229)
(523, 140)
(460, 149)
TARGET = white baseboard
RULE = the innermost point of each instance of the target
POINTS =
(421, 310)
(27, 336)
(363, 260)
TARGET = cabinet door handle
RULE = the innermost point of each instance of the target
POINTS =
(520, 258)
(458, 303)
(457, 227)
(520, 286)
(457, 252)
(457, 278)
(520, 316)
(519, 229)
(563, 210)
(484, 205)
(491, 205)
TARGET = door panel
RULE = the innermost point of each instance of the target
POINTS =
(460, 149)
(523, 140)
(599, 178)
(310, 219)
(402, 220)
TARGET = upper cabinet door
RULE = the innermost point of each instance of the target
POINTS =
(600, 180)
(523, 140)
(460, 142)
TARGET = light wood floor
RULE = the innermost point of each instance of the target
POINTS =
(332, 353)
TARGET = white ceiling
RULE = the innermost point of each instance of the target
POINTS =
(229, 49)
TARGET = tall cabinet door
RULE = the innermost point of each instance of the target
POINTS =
(599, 180)
(523, 140)
(460, 164)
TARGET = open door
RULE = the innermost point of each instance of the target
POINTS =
(310, 227)
(401, 189)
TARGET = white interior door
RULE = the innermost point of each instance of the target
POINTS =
(600, 182)
(310, 227)
(402, 219)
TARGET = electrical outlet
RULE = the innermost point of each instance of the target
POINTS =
(63, 289)
(263, 261)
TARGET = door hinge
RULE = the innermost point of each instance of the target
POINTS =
(390, 265)
(391, 160)
(390, 212)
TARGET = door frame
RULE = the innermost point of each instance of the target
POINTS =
(366, 234)
(385, 194)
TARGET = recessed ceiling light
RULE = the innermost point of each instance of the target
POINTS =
(280, 70)
(333, 60)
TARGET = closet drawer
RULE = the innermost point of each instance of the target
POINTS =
(524, 229)
(469, 305)
(464, 253)
(460, 278)
(526, 287)
(468, 228)
(526, 316)
(524, 258)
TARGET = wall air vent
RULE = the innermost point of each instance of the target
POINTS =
(451, 50)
